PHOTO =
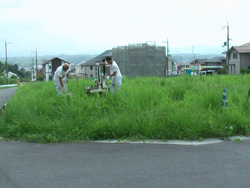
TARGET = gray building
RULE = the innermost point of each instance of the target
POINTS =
(141, 60)
(239, 58)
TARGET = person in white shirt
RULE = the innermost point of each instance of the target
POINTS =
(115, 74)
(61, 78)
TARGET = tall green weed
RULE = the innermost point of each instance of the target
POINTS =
(146, 108)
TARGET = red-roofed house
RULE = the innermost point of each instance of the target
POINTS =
(239, 58)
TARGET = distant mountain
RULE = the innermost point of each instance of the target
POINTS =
(27, 61)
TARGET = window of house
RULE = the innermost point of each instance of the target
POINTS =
(91, 68)
(50, 67)
(234, 56)
(91, 76)
(248, 67)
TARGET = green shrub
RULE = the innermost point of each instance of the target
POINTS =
(4, 80)
(245, 71)
(13, 77)
(50, 78)
(222, 71)
(12, 81)
(40, 78)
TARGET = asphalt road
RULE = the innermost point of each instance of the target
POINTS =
(6, 94)
(31, 165)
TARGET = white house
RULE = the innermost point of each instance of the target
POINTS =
(35, 75)
(11, 74)
(50, 66)
(80, 70)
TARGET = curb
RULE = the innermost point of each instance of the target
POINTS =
(10, 85)
(174, 142)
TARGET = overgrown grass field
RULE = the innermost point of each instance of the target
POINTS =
(146, 108)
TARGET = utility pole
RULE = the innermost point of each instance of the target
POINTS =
(168, 54)
(6, 61)
(33, 69)
(36, 64)
(193, 53)
(227, 48)
(167, 49)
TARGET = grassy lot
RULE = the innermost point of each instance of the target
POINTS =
(146, 108)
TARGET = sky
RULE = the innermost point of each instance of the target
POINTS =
(70, 27)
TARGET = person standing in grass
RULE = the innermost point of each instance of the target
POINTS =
(61, 78)
(115, 74)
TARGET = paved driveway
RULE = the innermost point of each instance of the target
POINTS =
(95, 165)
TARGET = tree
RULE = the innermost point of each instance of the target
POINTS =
(2, 66)
(13, 77)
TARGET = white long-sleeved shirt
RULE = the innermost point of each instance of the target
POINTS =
(114, 68)
(60, 73)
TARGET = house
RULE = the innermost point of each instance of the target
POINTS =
(34, 74)
(50, 66)
(239, 58)
(77, 70)
(73, 69)
(88, 68)
(198, 62)
(10, 74)
(181, 68)
(216, 61)
(80, 70)
(141, 60)
(172, 66)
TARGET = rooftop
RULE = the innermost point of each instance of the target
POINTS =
(182, 64)
(245, 48)
(201, 61)
(47, 61)
(97, 59)
(215, 59)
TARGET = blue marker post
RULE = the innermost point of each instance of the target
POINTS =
(224, 99)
